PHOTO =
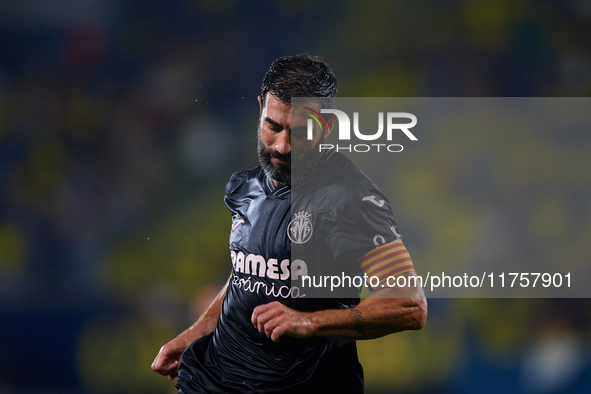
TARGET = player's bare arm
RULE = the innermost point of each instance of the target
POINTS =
(167, 361)
(387, 311)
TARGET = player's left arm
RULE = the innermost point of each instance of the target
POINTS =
(388, 310)
(372, 318)
(395, 305)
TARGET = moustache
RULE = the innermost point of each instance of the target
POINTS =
(277, 155)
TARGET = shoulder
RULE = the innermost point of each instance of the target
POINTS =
(243, 178)
(349, 171)
(348, 181)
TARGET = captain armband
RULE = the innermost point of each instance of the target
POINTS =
(385, 261)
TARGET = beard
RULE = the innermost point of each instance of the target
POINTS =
(305, 164)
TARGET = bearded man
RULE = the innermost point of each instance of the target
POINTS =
(262, 333)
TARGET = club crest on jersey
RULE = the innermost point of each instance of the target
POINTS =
(299, 229)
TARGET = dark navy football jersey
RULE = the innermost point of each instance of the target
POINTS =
(326, 224)
(347, 217)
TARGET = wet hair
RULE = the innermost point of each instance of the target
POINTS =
(301, 75)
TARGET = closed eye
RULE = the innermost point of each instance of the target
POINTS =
(274, 126)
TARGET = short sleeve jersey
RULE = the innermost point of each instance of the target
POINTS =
(327, 223)
(347, 216)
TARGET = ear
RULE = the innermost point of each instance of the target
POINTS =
(330, 124)
(260, 104)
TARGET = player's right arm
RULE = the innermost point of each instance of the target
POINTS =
(167, 361)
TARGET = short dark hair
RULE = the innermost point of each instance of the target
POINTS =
(300, 75)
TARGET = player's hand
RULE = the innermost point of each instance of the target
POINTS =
(275, 319)
(167, 361)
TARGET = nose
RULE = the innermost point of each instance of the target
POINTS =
(283, 142)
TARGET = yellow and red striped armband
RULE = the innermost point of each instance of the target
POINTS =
(386, 260)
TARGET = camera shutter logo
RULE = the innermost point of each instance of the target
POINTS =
(299, 230)
(317, 117)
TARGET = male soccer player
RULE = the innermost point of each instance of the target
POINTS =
(262, 334)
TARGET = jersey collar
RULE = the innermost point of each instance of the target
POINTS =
(277, 191)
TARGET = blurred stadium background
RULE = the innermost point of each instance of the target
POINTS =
(121, 120)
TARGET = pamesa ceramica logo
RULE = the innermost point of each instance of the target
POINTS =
(371, 142)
